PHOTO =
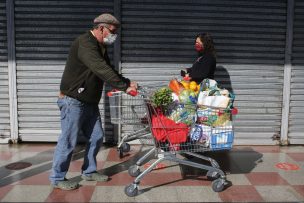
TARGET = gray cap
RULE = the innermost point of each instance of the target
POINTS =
(106, 18)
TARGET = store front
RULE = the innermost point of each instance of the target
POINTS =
(156, 42)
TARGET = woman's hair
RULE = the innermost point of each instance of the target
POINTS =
(207, 42)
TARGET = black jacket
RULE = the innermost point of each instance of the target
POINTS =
(204, 67)
(86, 70)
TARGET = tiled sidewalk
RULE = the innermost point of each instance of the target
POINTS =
(256, 173)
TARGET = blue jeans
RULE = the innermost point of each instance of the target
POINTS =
(76, 116)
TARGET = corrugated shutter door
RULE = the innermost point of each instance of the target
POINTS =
(44, 32)
(296, 116)
(4, 89)
(158, 40)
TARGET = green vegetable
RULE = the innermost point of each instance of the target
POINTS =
(162, 98)
(184, 113)
(184, 96)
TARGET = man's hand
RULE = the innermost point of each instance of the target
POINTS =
(131, 91)
(133, 84)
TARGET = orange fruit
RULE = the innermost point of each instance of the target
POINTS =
(185, 84)
(193, 86)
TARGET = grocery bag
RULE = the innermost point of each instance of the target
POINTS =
(165, 129)
(213, 101)
(211, 95)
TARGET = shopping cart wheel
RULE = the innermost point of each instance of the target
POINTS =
(218, 185)
(120, 151)
(131, 190)
(126, 147)
(134, 171)
(211, 175)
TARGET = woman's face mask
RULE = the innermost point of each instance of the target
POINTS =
(199, 47)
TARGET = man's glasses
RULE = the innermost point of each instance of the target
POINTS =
(111, 31)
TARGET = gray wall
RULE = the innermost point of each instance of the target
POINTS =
(4, 90)
(156, 41)
(296, 117)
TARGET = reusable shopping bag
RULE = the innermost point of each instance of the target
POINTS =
(165, 129)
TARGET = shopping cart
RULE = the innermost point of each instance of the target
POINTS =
(189, 130)
(130, 112)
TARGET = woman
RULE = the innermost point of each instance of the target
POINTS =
(205, 64)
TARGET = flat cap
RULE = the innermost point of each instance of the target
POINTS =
(106, 18)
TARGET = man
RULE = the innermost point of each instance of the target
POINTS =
(86, 70)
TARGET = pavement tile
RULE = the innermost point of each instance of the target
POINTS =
(197, 194)
(296, 156)
(274, 193)
(157, 194)
(75, 166)
(299, 189)
(266, 178)
(238, 179)
(173, 179)
(260, 149)
(108, 164)
(242, 161)
(240, 193)
(116, 194)
(4, 190)
(117, 180)
(4, 155)
(82, 194)
(27, 193)
(71, 174)
(37, 179)
(251, 170)
(110, 194)
(292, 149)
(102, 154)
(114, 156)
(163, 167)
(38, 147)
(293, 177)
(269, 161)
(25, 156)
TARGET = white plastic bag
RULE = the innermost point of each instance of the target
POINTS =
(214, 101)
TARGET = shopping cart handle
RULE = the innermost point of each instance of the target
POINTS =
(132, 92)
(110, 93)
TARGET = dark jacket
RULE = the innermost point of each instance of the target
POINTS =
(204, 67)
(86, 70)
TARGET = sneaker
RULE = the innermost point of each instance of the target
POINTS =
(66, 185)
(95, 177)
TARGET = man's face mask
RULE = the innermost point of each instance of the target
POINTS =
(110, 38)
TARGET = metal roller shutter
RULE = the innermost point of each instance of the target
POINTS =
(44, 32)
(158, 40)
(296, 116)
(4, 89)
